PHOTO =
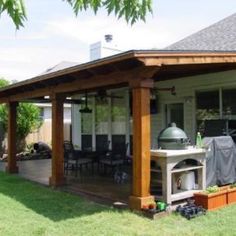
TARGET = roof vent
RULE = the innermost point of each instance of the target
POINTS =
(108, 38)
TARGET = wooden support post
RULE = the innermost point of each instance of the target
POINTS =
(141, 145)
(11, 138)
(57, 177)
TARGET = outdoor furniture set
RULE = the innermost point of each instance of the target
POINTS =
(76, 160)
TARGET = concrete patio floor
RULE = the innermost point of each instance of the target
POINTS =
(86, 183)
(35, 170)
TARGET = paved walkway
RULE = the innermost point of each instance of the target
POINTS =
(34, 170)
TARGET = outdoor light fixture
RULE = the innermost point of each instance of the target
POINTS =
(86, 109)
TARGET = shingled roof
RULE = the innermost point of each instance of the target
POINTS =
(220, 36)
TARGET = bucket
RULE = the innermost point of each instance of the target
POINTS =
(187, 180)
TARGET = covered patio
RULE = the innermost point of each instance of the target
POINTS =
(137, 71)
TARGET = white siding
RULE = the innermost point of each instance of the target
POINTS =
(185, 90)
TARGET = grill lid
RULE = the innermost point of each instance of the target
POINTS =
(173, 138)
(172, 132)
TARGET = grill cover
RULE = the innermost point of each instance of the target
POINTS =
(220, 160)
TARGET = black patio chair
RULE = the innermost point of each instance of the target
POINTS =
(114, 159)
(73, 159)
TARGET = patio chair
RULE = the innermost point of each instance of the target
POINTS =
(114, 159)
(73, 160)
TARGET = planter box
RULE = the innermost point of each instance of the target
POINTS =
(231, 195)
(211, 201)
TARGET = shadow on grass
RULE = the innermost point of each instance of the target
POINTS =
(50, 203)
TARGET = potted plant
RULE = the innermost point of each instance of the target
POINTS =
(154, 210)
(212, 198)
(231, 193)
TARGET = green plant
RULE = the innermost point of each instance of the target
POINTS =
(28, 119)
(212, 189)
(131, 10)
(32, 209)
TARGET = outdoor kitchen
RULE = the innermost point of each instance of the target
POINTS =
(179, 169)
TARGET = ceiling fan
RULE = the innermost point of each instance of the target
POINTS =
(102, 95)
(86, 109)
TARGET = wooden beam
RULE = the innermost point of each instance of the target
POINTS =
(27, 95)
(11, 138)
(137, 57)
(141, 146)
(57, 177)
(113, 79)
(117, 78)
(186, 59)
(66, 101)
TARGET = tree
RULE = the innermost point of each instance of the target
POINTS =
(28, 119)
(131, 10)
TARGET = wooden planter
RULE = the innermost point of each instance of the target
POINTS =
(211, 201)
(231, 195)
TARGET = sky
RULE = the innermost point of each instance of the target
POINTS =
(53, 33)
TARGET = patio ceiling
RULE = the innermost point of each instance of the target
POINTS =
(118, 71)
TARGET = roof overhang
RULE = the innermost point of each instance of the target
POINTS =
(119, 70)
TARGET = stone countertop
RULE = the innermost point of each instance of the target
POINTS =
(170, 153)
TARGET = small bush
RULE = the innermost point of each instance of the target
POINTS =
(212, 189)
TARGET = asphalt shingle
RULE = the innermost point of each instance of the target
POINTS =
(220, 36)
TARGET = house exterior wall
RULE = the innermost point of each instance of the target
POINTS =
(186, 89)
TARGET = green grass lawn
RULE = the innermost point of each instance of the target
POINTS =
(30, 209)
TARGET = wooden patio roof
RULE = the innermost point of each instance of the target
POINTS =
(136, 69)
(119, 70)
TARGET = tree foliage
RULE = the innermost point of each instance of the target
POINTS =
(15, 9)
(131, 10)
(28, 117)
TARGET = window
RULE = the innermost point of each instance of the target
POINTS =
(118, 113)
(229, 104)
(207, 108)
(86, 120)
(86, 127)
(101, 116)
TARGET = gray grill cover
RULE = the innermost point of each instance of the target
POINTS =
(220, 160)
